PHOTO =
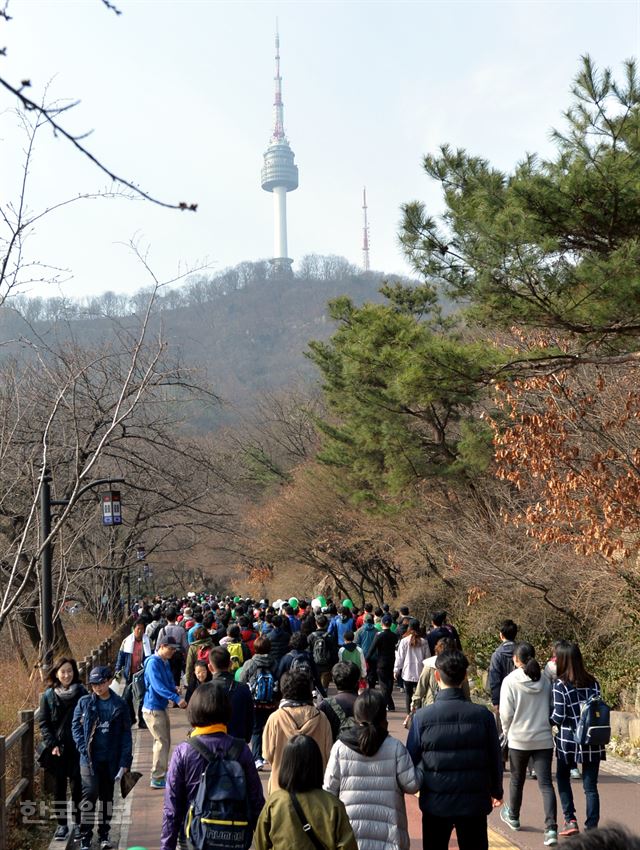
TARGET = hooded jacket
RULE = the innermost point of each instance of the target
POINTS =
(289, 720)
(499, 668)
(372, 789)
(183, 778)
(525, 709)
(365, 636)
(339, 626)
(279, 826)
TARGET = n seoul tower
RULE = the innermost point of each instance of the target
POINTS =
(279, 174)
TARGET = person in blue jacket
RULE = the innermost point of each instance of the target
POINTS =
(101, 730)
(341, 624)
(160, 690)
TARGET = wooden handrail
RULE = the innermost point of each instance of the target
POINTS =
(24, 734)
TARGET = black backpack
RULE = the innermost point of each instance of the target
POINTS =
(158, 628)
(593, 729)
(321, 651)
(218, 817)
(301, 662)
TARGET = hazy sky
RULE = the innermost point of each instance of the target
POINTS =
(179, 96)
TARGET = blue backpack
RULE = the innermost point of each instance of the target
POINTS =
(263, 689)
(593, 729)
(218, 817)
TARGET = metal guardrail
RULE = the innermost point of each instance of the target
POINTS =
(24, 737)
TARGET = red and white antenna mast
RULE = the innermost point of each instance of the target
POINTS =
(365, 233)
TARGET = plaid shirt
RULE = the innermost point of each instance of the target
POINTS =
(565, 715)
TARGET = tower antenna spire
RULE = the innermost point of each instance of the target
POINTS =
(365, 232)
(279, 173)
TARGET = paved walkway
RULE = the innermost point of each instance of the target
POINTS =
(138, 819)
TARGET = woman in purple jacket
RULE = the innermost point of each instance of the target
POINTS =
(209, 712)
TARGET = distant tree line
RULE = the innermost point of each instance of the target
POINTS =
(198, 289)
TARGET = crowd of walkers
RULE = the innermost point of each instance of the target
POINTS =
(254, 679)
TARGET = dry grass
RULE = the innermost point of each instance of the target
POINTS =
(21, 688)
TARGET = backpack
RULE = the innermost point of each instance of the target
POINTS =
(593, 729)
(138, 685)
(321, 651)
(237, 656)
(218, 817)
(203, 653)
(153, 637)
(301, 662)
(263, 688)
(345, 721)
(351, 655)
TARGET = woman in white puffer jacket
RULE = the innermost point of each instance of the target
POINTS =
(370, 772)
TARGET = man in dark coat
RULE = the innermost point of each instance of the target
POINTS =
(455, 743)
(383, 650)
(241, 723)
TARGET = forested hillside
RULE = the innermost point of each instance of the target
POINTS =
(244, 330)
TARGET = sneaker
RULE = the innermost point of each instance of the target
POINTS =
(76, 832)
(85, 844)
(105, 844)
(570, 828)
(550, 837)
(61, 833)
(533, 774)
(575, 773)
(505, 817)
(259, 764)
(157, 783)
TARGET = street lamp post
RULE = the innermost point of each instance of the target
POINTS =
(46, 572)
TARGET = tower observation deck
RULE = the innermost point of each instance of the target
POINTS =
(279, 173)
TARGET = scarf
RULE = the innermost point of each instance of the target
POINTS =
(67, 694)
(208, 730)
(293, 703)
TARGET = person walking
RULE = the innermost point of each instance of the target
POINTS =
(160, 690)
(370, 771)
(324, 650)
(339, 707)
(198, 649)
(573, 687)
(259, 674)
(455, 743)
(301, 806)
(241, 722)
(383, 650)
(133, 652)
(439, 629)
(428, 687)
(525, 698)
(296, 715)
(179, 635)
(201, 674)
(363, 638)
(101, 729)
(501, 663)
(208, 713)
(60, 757)
(411, 654)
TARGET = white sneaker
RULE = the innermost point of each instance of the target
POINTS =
(259, 764)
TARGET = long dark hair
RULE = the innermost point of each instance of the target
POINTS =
(571, 667)
(301, 768)
(53, 680)
(413, 633)
(370, 713)
(526, 655)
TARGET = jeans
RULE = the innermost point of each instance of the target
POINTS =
(409, 688)
(386, 687)
(471, 832)
(260, 717)
(590, 770)
(518, 761)
(96, 786)
(60, 796)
